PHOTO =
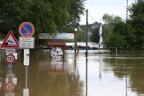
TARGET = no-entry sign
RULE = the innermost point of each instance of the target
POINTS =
(10, 58)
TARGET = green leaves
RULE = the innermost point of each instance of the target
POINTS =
(95, 36)
(125, 31)
(137, 22)
(111, 19)
(46, 15)
(115, 40)
(120, 34)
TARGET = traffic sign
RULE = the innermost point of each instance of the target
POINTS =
(10, 41)
(26, 42)
(10, 51)
(10, 87)
(26, 56)
(26, 29)
(10, 58)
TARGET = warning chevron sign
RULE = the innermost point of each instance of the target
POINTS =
(10, 41)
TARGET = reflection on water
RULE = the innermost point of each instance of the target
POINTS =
(56, 67)
(105, 74)
(10, 82)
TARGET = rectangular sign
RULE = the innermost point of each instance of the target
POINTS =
(9, 94)
(12, 51)
(26, 61)
(26, 56)
(56, 36)
(26, 42)
(25, 92)
(14, 80)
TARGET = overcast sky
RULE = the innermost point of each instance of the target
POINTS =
(97, 8)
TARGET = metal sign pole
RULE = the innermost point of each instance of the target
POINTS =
(26, 76)
(26, 90)
(26, 63)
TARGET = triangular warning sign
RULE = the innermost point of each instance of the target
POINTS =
(10, 41)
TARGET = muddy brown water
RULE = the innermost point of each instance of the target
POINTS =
(105, 74)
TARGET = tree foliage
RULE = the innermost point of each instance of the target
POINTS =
(111, 19)
(132, 31)
(137, 22)
(126, 35)
(122, 36)
(75, 10)
(47, 16)
(95, 36)
(115, 40)
(81, 34)
(94, 29)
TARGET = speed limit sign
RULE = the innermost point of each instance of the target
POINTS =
(10, 58)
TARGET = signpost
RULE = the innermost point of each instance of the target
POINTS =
(26, 29)
(26, 63)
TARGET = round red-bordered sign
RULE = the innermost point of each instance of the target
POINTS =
(10, 58)
(26, 29)
(10, 87)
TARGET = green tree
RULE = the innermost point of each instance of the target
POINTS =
(109, 21)
(95, 36)
(13, 13)
(47, 16)
(76, 10)
(81, 33)
(122, 36)
(137, 22)
(106, 28)
(115, 40)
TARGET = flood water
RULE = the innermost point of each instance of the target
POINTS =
(105, 74)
